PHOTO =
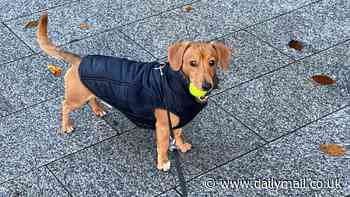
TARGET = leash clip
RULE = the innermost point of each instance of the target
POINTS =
(160, 68)
(172, 145)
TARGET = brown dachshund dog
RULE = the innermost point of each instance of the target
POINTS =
(197, 60)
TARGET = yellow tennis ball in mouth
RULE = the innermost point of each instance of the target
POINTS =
(196, 91)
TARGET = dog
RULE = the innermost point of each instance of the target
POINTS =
(136, 89)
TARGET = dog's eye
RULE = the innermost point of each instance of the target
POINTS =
(193, 63)
(211, 62)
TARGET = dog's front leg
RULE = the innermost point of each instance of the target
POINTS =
(179, 141)
(162, 135)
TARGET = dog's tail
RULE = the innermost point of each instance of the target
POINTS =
(47, 46)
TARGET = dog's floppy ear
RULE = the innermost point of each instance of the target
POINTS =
(175, 54)
(224, 54)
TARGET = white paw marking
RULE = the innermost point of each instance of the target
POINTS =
(165, 167)
(69, 130)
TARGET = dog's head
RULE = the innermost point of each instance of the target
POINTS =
(199, 61)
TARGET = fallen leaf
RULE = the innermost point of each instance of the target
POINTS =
(55, 70)
(297, 45)
(85, 26)
(187, 8)
(323, 79)
(333, 149)
(31, 24)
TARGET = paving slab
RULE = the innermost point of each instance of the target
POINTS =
(293, 158)
(318, 26)
(13, 9)
(125, 165)
(36, 183)
(100, 15)
(11, 47)
(207, 20)
(250, 58)
(27, 81)
(280, 102)
(32, 137)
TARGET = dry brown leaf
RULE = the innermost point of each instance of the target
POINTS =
(297, 45)
(85, 26)
(31, 24)
(55, 70)
(187, 8)
(323, 79)
(333, 149)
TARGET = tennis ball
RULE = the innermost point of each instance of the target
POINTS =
(196, 92)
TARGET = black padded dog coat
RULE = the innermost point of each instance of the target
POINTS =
(134, 88)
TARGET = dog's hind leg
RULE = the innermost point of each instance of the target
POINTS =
(75, 96)
(67, 124)
(96, 107)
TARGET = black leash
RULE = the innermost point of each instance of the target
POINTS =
(172, 145)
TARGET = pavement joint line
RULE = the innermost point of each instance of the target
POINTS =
(133, 41)
(59, 181)
(279, 68)
(233, 116)
(67, 155)
(90, 146)
(178, 192)
(264, 145)
(17, 59)
(269, 44)
(36, 12)
(19, 38)
(311, 122)
(28, 107)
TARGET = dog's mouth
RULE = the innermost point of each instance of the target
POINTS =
(204, 99)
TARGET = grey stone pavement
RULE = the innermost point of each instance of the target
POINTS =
(264, 124)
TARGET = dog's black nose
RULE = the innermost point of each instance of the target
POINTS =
(206, 86)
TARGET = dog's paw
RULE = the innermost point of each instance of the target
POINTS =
(184, 147)
(68, 129)
(165, 166)
(100, 112)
